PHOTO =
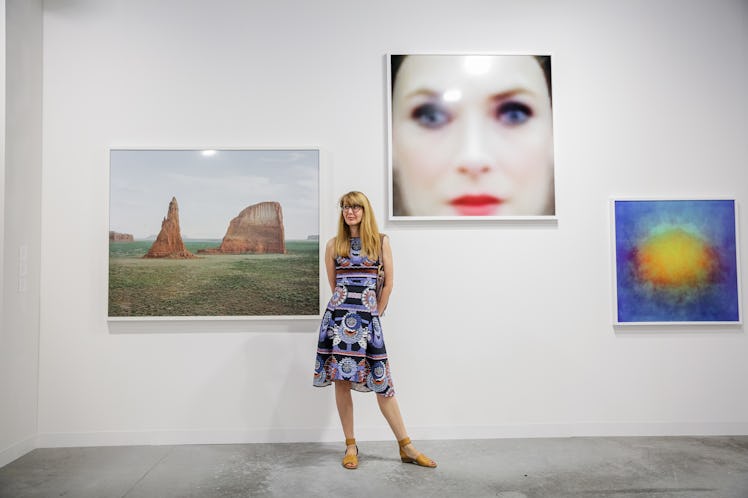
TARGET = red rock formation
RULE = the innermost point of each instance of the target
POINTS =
(257, 229)
(169, 243)
(120, 237)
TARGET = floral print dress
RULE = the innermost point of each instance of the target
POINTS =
(351, 344)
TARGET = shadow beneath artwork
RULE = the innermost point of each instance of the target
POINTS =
(202, 326)
(680, 330)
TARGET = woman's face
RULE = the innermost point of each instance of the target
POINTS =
(352, 213)
(472, 136)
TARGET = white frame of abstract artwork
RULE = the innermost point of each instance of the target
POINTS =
(614, 261)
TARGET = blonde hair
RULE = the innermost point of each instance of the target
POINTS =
(371, 244)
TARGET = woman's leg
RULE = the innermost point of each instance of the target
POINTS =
(344, 402)
(391, 411)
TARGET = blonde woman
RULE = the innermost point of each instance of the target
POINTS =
(351, 351)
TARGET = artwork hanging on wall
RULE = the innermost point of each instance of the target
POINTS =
(470, 137)
(213, 233)
(675, 261)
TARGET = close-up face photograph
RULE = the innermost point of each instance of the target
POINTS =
(471, 135)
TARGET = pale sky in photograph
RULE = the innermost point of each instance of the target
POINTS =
(212, 189)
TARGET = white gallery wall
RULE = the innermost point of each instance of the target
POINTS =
(20, 220)
(494, 329)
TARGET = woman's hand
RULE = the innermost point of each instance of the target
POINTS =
(381, 307)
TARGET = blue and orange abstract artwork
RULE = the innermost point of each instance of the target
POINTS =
(676, 261)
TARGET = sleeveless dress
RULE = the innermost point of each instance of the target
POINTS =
(351, 344)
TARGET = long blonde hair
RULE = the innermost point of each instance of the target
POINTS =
(371, 244)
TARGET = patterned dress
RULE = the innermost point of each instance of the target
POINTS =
(351, 344)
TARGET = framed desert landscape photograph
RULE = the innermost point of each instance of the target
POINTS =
(211, 233)
(470, 137)
(675, 261)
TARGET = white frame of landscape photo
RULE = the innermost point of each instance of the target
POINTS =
(504, 191)
(252, 213)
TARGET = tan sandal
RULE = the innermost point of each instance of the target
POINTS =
(421, 459)
(350, 462)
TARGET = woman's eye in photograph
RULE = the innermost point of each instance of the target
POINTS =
(513, 113)
(430, 115)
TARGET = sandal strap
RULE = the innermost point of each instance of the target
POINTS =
(350, 441)
(350, 461)
(404, 442)
(424, 461)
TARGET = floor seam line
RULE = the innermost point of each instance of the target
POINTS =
(146, 473)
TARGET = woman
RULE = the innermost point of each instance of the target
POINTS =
(351, 351)
(472, 135)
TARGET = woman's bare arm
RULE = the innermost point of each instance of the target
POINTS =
(330, 263)
(389, 274)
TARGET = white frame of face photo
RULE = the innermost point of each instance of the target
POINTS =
(470, 137)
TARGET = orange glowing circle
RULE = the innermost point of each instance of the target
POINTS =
(675, 258)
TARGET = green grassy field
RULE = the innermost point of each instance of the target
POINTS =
(213, 285)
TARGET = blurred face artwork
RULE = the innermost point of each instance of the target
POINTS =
(472, 136)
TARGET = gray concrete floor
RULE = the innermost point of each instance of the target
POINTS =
(507, 468)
